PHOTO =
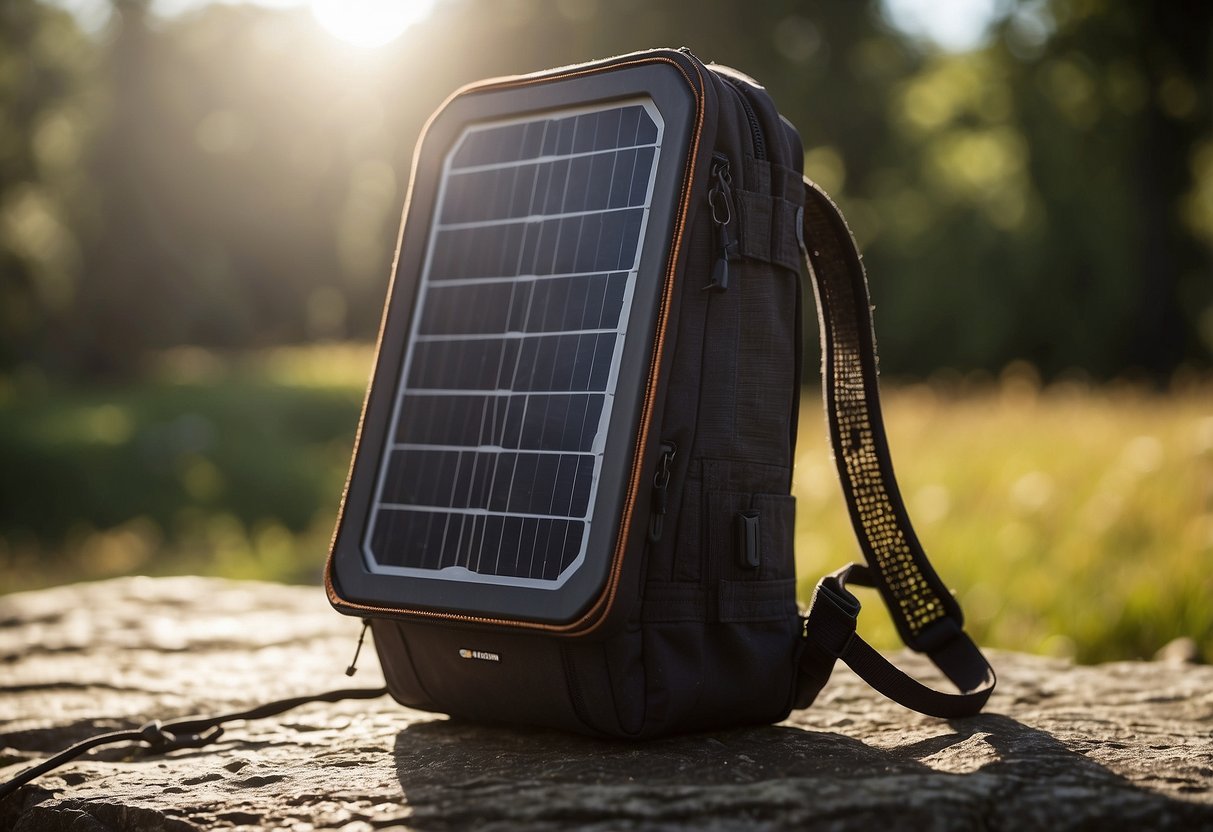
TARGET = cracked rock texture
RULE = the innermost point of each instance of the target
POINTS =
(1118, 746)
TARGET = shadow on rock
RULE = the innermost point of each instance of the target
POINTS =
(988, 772)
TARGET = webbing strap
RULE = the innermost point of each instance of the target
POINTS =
(927, 616)
(830, 635)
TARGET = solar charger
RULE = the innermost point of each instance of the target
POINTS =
(501, 434)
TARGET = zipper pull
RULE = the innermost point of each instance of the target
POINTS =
(661, 484)
(720, 200)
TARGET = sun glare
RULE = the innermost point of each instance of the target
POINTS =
(369, 23)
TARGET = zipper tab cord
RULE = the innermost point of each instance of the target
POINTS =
(353, 668)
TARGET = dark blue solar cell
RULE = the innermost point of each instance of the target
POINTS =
(445, 420)
(640, 176)
(568, 245)
(462, 365)
(629, 122)
(600, 174)
(646, 133)
(586, 132)
(618, 233)
(608, 131)
(564, 137)
(552, 201)
(579, 185)
(550, 134)
(523, 191)
(532, 140)
(399, 538)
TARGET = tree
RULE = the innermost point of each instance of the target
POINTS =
(45, 117)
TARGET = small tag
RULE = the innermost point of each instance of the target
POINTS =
(483, 655)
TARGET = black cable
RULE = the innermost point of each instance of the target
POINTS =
(191, 732)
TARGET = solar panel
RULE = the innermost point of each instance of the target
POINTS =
(507, 385)
(534, 255)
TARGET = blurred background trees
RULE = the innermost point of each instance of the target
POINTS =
(231, 175)
(199, 201)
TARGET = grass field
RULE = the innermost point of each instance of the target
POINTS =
(1071, 520)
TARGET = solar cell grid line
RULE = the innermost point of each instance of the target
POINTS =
(500, 417)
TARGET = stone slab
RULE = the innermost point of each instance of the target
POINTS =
(1118, 746)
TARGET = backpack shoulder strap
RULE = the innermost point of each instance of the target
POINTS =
(927, 616)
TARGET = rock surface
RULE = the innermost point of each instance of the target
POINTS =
(1118, 746)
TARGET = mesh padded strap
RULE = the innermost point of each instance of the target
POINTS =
(927, 616)
(915, 595)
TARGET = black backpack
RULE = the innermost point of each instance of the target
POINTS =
(597, 300)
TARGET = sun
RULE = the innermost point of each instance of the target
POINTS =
(369, 23)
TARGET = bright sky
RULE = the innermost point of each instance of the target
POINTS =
(954, 25)
(366, 23)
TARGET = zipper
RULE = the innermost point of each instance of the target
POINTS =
(661, 497)
(760, 142)
(720, 195)
(720, 200)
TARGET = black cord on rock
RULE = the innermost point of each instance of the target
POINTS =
(191, 732)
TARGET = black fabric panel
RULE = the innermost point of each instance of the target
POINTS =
(718, 674)
(716, 428)
(674, 601)
(766, 364)
(768, 228)
(777, 514)
(525, 684)
(606, 684)
(689, 564)
(756, 600)
(402, 681)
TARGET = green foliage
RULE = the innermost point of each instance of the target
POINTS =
(231, 470)
(44, 121)
(232, 177)
(1073, 520)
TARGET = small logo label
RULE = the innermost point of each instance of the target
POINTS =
(483, 655)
